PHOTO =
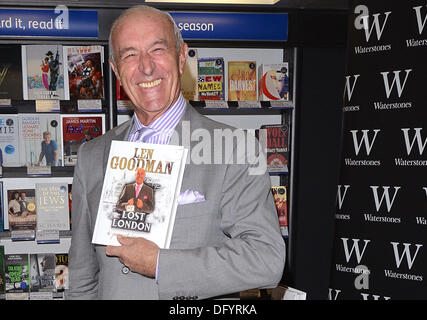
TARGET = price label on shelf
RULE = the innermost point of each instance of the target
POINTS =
(249, 105)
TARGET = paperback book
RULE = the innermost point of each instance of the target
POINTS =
(9, 140)
(189, 77)
(281, 201)
(43, 72)
(211, 79)
(42, 276)
(123, 102)
(61, 275)
(84, 72)
(77, 129)
(52, 206)
(17, 274)
(273, 82)
(140, 191)
(40, 139)
(242, 81)
(11, 72)
(22, 213)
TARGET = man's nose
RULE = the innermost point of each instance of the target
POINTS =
(146, 64)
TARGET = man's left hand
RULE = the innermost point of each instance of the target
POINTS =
(138, 254)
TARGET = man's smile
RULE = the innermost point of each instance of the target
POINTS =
(150, 84)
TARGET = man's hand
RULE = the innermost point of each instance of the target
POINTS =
(139, 203)
(138, 254)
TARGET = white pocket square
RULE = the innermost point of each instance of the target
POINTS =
(190, 196)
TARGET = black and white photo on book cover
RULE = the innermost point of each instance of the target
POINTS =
(140, 192)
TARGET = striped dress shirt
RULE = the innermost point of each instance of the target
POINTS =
(163, 126)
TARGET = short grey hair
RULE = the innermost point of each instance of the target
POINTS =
(143, 8)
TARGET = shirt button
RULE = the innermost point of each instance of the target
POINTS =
(125, 270)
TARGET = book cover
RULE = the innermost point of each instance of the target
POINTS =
(84, 72)
(43, 72)
(17, 274)
(42, 276)
(139, 194)
(9, 140)
(61, 275)
(123, 102)
(273, 82)
(1, 207)
(211, 79)
(10, 72)
(189, 77)
(277, 146)
(12, 187)
(40, 139)
(22, 213)
(242, 81)
(52, 206)
(281, 201)
(77, 129)
(2, 274)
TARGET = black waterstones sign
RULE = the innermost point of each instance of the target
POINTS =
(380, 247)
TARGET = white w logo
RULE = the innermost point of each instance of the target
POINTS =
(396, 80)
(341, 196)
(406, 252)
(364, 140)
(376, 23)
(348, 88)
(419, 22)
(417, 137)
(354, 248)
(385, 196)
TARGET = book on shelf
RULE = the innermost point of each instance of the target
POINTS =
(77, 129)
(2, 273)
(52, 206)
(9, 140)
(42, 276)
(40, 139)
(43, 72)
(17, 274)
(211, 79)
(281, 201)
(61, 275)
(189, 77)
(84, 72)
(10, 72)
(273, 82)
(242, 81)
(123, 102)
(1, 207)
(140, 191)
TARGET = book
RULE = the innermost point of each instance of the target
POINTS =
(17, 274)
(52, 206)
(22, 213)
(273, 82)
(283, 292)
(242, 81)
(277, 146)
(42, 276)
(84, 72)
(2, 274)
(211, 79)
(123, 102)
(281, 201)
(61, 275)
(189, 77)
(43, 72)
(77, 129)
(150, 211)
(1, 207)
(9, 140)
(40, 139)
(10, 72)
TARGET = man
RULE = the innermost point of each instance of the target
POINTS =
(137, 194)
(228, 243)
(49, 149)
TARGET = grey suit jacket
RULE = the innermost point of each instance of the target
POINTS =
(228, 243)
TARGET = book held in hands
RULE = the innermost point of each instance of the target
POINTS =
(140, 191)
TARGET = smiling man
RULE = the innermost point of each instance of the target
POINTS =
(226, 243)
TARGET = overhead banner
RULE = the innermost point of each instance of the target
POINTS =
(232, 26)
(59, 22)
(380, 247)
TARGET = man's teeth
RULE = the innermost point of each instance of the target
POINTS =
(150, 84)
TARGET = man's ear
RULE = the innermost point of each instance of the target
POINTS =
(183, 54)
(115, 70)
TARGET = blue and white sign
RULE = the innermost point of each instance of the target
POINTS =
(232, 26)
(58, 22)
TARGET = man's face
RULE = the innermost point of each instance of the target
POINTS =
(23, 196)
(140, 175)
(47, 138)
(148, 65)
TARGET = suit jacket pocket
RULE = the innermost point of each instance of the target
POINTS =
(195, 209)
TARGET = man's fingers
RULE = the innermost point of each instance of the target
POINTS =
(113, 251)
